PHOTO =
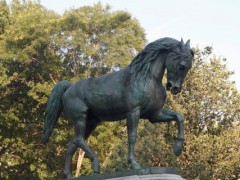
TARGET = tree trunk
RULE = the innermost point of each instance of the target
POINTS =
(79, 162)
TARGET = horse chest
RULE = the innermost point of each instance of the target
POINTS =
(153, 101)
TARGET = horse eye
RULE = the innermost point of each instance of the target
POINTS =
(181, 67)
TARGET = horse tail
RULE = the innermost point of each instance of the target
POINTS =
(54, 108)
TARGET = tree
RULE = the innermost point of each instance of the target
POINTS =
(26, 58)
(95, 41)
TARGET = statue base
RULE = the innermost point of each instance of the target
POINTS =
(160, 173)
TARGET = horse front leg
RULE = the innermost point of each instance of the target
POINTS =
(166, 116)
(132, 123)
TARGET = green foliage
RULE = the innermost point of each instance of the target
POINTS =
(26, 58)
(153, 148)
(4, 16)
(210, 156)
(95, 40)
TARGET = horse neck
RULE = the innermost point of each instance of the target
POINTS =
(158, 68)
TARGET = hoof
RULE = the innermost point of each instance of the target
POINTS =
(135, 165)
(68, 176)
(96, 167)
(177, 148)
(95, 173)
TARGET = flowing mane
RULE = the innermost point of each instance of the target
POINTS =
(141, 64)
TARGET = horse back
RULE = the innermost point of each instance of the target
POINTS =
(104, 97)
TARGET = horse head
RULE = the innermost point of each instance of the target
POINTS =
(178, 63)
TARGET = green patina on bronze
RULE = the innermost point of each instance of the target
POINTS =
(134, 92)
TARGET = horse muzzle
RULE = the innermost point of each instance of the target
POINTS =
(174, 89)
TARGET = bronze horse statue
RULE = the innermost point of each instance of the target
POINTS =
(133, 92)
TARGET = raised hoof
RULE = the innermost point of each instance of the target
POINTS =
(177, 148)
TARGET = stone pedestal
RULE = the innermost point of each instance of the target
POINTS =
(150, 173)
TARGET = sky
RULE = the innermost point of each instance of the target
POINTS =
(213, 23)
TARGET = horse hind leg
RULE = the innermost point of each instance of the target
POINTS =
(76, 110)
(79, 141)
(71, 149)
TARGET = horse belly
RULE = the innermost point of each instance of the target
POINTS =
(110, 107)
(108, 114)
(108, 110)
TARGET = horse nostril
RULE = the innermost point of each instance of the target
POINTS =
(168, 86)
(176, 89)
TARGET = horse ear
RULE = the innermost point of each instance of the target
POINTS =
(182, 45)
(188, 44)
